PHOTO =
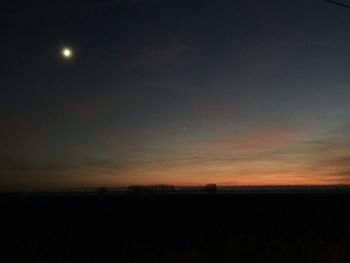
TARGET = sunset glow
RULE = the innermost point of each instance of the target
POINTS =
(241, 93)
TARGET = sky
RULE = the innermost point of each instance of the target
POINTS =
(184, 92)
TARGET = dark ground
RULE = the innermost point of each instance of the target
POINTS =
(176, 228)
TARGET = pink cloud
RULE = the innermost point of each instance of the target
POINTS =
(258, 140)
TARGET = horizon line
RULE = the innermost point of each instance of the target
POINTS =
(82, 189)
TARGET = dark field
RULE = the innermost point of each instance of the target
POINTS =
(176, 228)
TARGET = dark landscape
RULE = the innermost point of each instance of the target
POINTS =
(225, 227)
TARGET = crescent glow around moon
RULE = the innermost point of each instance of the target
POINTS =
(67, 53)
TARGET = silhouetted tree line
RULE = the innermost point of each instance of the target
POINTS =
(151, 188)
(166, 188)
(160, 188)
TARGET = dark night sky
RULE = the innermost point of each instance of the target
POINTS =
(178, 91)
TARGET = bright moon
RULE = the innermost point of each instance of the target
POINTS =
(67, 53)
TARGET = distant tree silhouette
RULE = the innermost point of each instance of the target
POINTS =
(210, 188)
(101, 191)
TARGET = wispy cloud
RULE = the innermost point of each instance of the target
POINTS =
(161, 54)
(270, 155)
(253, 140)
(330, 156)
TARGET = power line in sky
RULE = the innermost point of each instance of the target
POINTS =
(337, 3)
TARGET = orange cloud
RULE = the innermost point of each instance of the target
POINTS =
(268, 156)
